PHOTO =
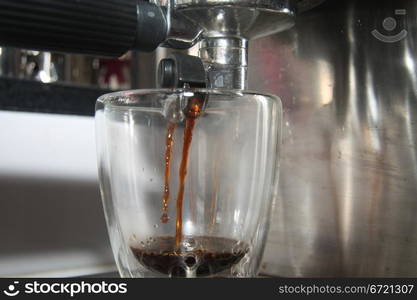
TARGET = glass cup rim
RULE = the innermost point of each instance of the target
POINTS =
(115, 98)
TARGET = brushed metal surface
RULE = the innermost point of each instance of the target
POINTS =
(348, 183)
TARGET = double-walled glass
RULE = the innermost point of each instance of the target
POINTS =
(228, 187)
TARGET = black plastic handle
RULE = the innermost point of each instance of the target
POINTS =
(96, 27)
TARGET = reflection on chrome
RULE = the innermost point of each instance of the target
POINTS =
(348, 176)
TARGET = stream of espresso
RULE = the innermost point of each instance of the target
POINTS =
(168, 153)
(192, 112)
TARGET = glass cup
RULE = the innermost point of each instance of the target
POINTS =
(188, 178)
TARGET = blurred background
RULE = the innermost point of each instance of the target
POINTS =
(51, 217)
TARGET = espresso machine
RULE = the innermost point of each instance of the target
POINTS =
(345, 72)
(221, 28)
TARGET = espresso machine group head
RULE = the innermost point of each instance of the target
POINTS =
(110, 28)
(223, 29)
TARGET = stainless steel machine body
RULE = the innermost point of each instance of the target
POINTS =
(348, 181)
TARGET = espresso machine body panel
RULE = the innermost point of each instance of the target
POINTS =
(347, 200)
